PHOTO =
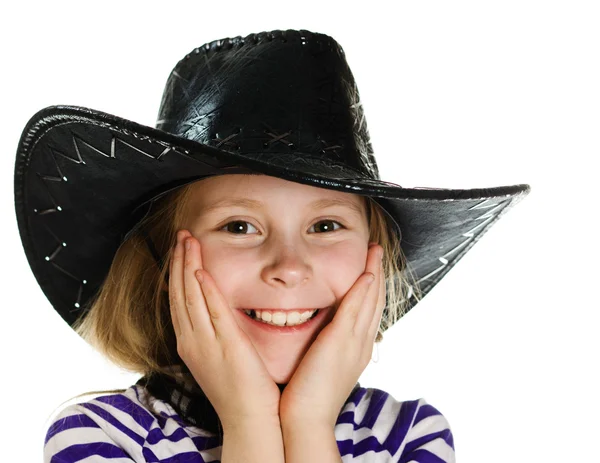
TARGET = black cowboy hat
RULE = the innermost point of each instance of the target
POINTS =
(280, 103)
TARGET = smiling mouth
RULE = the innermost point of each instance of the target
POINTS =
(283, 318)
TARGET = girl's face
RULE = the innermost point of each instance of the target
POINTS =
(288, 249)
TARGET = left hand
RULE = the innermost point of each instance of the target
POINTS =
(330, 369)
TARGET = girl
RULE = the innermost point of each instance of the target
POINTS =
(243, 257)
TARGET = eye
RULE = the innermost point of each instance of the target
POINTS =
(328, 227)
(239, 227)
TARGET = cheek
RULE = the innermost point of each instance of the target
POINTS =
(341, 267)
(342, 258)
(228, 267)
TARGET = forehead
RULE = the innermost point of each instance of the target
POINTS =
(258, 191)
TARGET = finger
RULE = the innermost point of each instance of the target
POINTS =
(195, 302)
(179, 312)
(172, 301)
(367, 311)
(225, 326)
(381, 301)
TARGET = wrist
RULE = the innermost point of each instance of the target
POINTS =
(297, 418)
(253, 440)
(306, 423)
(309, 440)
(254, 423)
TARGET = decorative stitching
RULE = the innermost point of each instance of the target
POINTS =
(326, 147)
(225, 141)
(488, 216)
(61, 178)
(275, 137)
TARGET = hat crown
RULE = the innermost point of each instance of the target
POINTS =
(268, 95)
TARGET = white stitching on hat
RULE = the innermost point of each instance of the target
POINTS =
(488, 215)
(113, 143)
(76, 138)
(61, 178)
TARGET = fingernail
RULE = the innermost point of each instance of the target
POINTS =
(370, 278)
(187, 245)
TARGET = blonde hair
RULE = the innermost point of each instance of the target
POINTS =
(130, 322)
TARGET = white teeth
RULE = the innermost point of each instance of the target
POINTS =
(282, 318)
(279, 318)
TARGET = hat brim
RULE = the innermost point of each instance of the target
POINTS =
(82, 177)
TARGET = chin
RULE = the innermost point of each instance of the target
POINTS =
(281, 365)
(281, 376)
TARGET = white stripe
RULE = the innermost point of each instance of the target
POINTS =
(431, 425)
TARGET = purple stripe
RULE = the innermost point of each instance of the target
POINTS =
(137, 392)
(366, 445)
(449, 438)
(445, 434)
(428, 410)
(398, 432)
(347, 417)
(345, 447)
(69, 422)
(357, 396)
(201, 443)
(397, 435)
(207, 443)
(393, 441)
(376, 403)
(141, 416)
(80, 451)
(161, 421)
(187, 457)
(421, 456)
(402, 425)
(112, 420)
(156, 435)
(149, 455)
(178, 420)
(425, 412)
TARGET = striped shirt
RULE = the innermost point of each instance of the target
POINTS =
(134, 426)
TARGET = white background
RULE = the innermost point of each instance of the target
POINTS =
(457, 94)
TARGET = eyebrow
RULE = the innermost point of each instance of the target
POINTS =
(254, 204)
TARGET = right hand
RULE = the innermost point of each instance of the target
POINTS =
(217, 351)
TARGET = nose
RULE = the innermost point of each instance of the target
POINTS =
(287, 267)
